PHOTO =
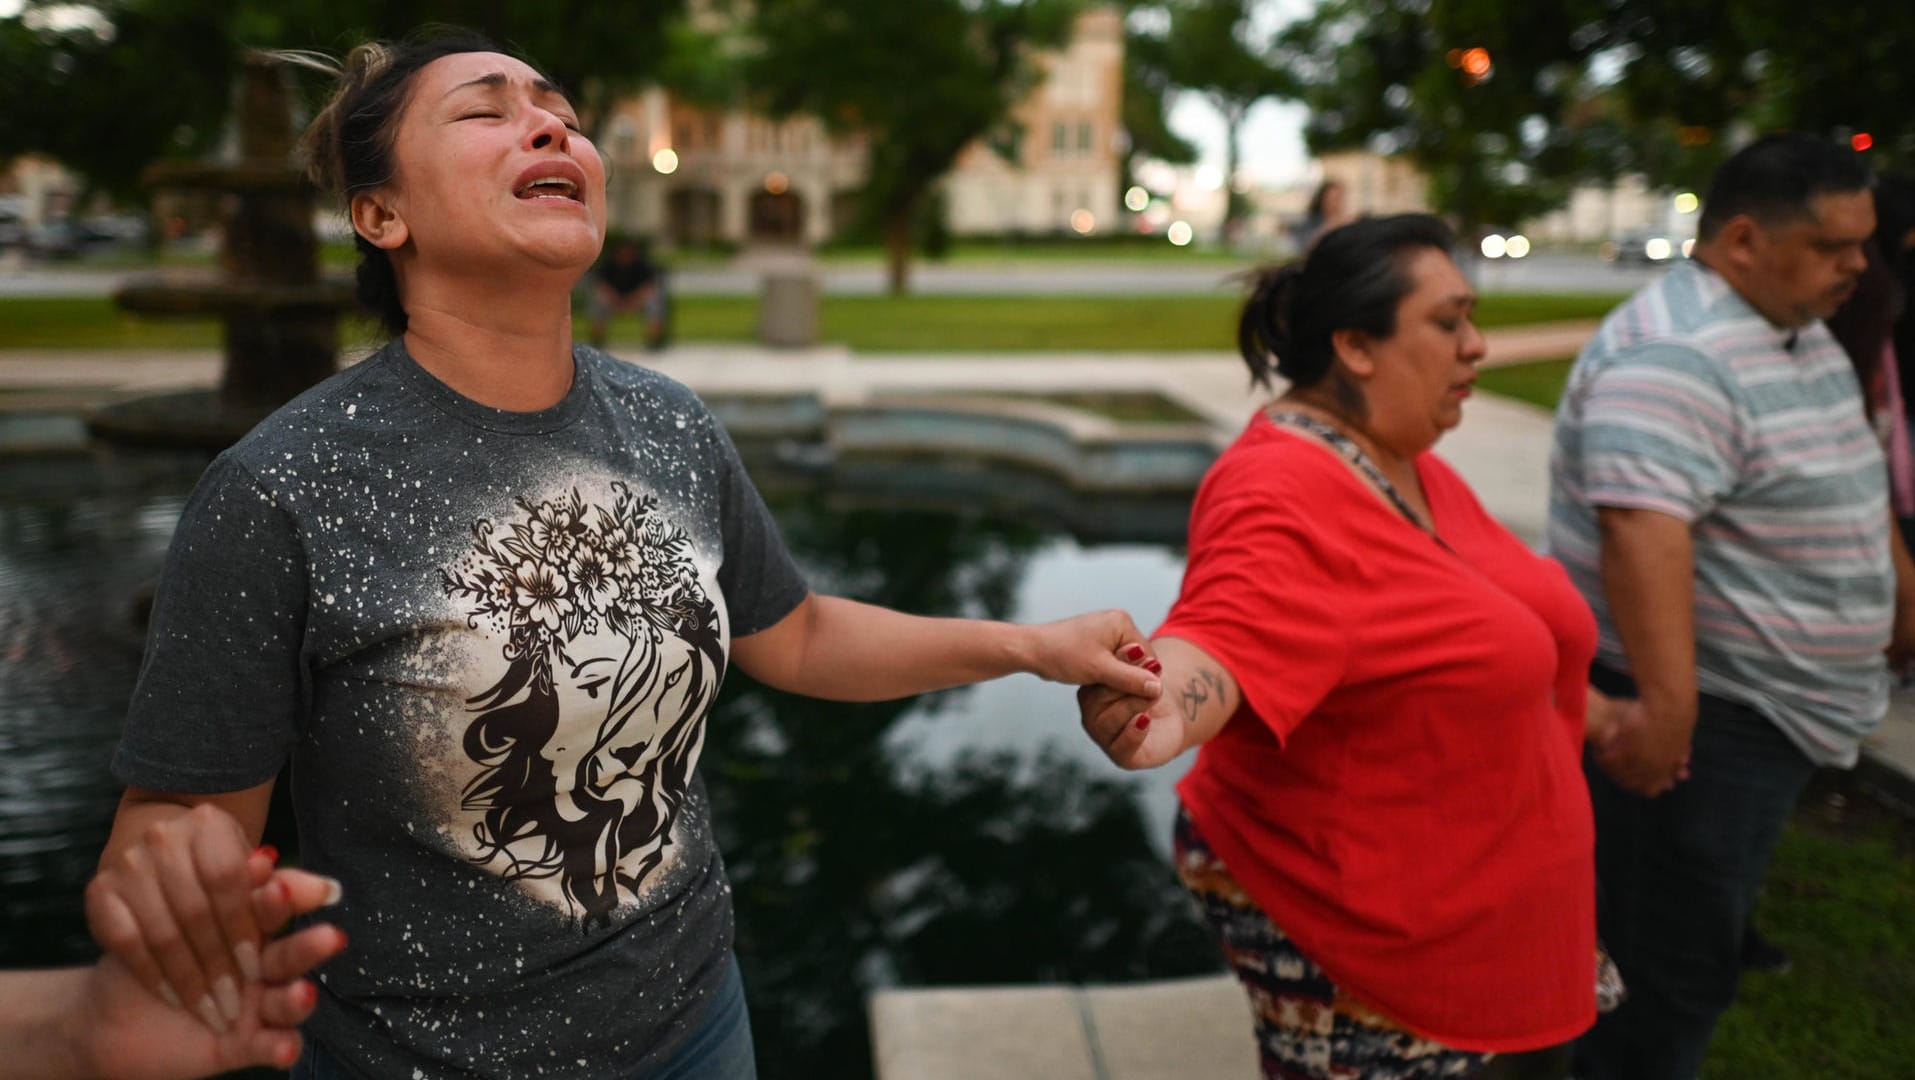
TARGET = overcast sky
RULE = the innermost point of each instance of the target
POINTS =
(1272, 137)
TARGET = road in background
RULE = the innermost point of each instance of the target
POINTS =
(1539, 273)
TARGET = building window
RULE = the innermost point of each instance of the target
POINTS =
(1060, 140)
(1083, 140)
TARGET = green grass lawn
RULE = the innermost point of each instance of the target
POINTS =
(865, 323)
(1841, 900)
(1539, 383)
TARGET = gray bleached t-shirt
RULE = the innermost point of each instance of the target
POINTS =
(488, 641)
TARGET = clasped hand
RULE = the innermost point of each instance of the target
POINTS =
(1643, 753)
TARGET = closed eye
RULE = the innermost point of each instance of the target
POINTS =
(591, 688)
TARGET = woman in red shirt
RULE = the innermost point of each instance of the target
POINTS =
(1387, 826)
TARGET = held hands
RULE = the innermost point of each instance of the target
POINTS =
(122, 1030)
(1135, 731)
(1642, 752)
(1092, 649)
(176, 909)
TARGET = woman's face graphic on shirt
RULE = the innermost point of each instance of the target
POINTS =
(608, 730)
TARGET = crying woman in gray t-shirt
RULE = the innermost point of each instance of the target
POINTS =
(481, 590)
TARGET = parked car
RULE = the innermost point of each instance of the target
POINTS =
(1647, 247)
(57, 239)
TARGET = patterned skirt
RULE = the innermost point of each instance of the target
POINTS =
(1307, 1027)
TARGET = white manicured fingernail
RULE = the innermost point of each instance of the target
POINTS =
(167, 995)
(227, 992)
(246, 955)
(334, 892)
(209, 1014)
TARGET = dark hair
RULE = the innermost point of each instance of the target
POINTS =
(1322, 192)
(1353, 279)
(1866, 321)
(1774, 178)
(1894, 219)
(348, 145)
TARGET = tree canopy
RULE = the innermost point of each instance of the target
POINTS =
(107, 86)
(919, 80)
(1507, 105)
(1213, 48)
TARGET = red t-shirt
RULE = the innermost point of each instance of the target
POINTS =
(1400, 790)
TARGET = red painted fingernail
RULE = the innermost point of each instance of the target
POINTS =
(1143, 722)
(1153, 666)
(1134, 653)
(268, 850)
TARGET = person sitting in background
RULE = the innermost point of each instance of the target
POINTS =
(100, 1022)
(1386, 828)
(630, 282)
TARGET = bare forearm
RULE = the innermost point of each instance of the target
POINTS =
(1203, 689)
(36, 1012)
(844, 650)
(1648, 575)
(140, 809)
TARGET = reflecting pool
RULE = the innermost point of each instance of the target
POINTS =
(967, 836)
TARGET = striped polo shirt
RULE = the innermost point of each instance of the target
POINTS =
(1688, 402)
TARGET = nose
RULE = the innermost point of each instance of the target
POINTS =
(548, 130)
(1474, 346)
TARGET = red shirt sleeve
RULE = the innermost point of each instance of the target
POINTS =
(1259, 593)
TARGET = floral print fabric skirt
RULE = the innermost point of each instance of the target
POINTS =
(1307, 1027)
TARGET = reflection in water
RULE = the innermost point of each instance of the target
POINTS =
(969, 836)
(77, 546)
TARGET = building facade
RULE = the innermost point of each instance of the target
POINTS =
(690, 175)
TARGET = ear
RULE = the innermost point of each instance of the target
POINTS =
(1353, 349)
(1740, 241)
(375, 218)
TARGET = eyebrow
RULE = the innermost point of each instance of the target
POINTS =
(498, 81)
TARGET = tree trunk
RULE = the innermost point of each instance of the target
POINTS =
(1233, 203)
(897, 250)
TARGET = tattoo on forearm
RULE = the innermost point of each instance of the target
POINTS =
(1203, 686)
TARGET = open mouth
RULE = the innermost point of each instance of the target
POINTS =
(549, 187)
(551, 179)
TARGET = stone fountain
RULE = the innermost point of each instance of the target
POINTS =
(280, 316)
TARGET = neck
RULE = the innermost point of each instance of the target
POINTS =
(1396, 464)
(508, 354)
(1725, 269)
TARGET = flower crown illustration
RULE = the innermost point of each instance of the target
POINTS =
(567, 567)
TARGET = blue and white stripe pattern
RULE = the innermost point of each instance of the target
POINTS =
(1689, 403)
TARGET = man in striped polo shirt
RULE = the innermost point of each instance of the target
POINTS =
(1719, 498)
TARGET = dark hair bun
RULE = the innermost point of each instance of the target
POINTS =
(1263, 331)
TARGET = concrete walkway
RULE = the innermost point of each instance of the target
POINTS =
(1170, 1030)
